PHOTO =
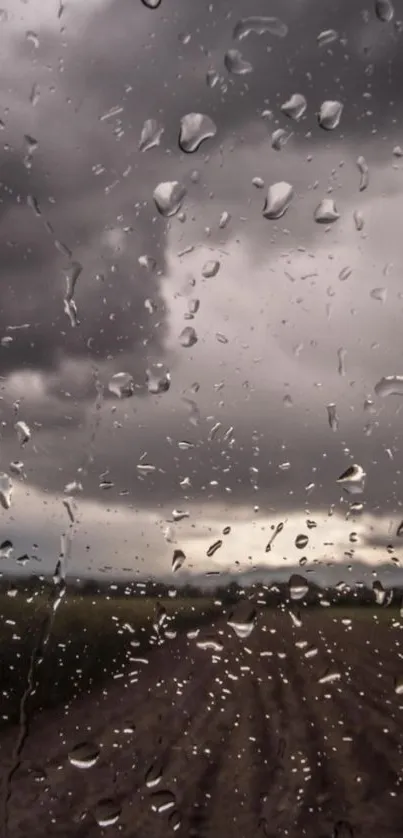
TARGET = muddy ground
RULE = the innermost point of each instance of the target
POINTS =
(249, 740)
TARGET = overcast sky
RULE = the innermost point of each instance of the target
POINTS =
(300, 315)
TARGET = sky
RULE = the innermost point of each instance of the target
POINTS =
(297, 316)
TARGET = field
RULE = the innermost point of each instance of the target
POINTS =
(294, 730)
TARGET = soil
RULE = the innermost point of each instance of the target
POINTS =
(247, 741)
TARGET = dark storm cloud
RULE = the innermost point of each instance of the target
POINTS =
(132, 57)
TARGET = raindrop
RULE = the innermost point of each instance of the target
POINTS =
(364, 173)
(168, 197)
(389, 385)
(399, 531)
(6, 490)
(212, 78)
(277, 530)
(214, 547)
(279, 197)
(379, 294)
(353, 479)
(151, 134)
(210, 643)
(158, 380)
(107, 812)
(379, 592)
(236, 64)
(6, 549)
(301, 541)
(151, 4)
(188, 337)
(121, 385)
(179, 514)
(384, 10)
(330, 677)
(330, 114)
(210, 268)
(23, 432)
(242, 620)
(195, 129)
(298, 587)
(398, 151)
(224, 219)
(327, 37)
(258, 182)
(175, 820)
(163, 801)
(358, 220)
(326, 212)
(260, 25)
(84, 755)
(332, 417)
(279, 138)
(399, 686)
(295, 106)
(178, 559)
(154, 775)
(33, 38)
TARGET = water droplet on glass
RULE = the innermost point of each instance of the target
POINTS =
(330, 677)
(353, 479)
(224, 219)
(332, 417)
(236, 64)
(6, 490)
(326, 212)
(358, 220)
(151, 4)
(242, 620)
(330, 114)
(398, 151)
(279, 138)
(188, 337)
(121, 385)
(298, 587)
(295, 106)
(154, 775)
(23, 432)
(175, 820)
(178, 559)
(168, 197)
(151, 134)
(32, 38)
(195, 129)
(84, 755)
(210, 268)
(364, 173)
(163, 801)
(384, 10)
(301, 541)
(389, 385)
(260, 25)
(279, 197)
(379, 592)
(399, 686)
(158, 380)
(327, 37)
(107, 812)
(258, 182)
(379, 294)
(6, 549)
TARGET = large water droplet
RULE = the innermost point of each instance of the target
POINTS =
(389, 385)
(210, 268)
(379, 592)
(195, 129)
(84, 755)
(326, 212)
(151, 134)
(158, 380)
(6, 490)
(154, 775)
(151, 4)
(332, 417)
(326, 37)
(260, 25)
(330, 114)
(353, 479)
(168, 197)
(242, 620)
(107, 811)
(295, 106)
(178, 559)
(279, 138)
(188, 337)
(236, 64)
(298, 587)
(384, 10)
(121, 385)
(301, 541)
(362, 167)
(279, 197)
(23, 432)
(163, 801)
